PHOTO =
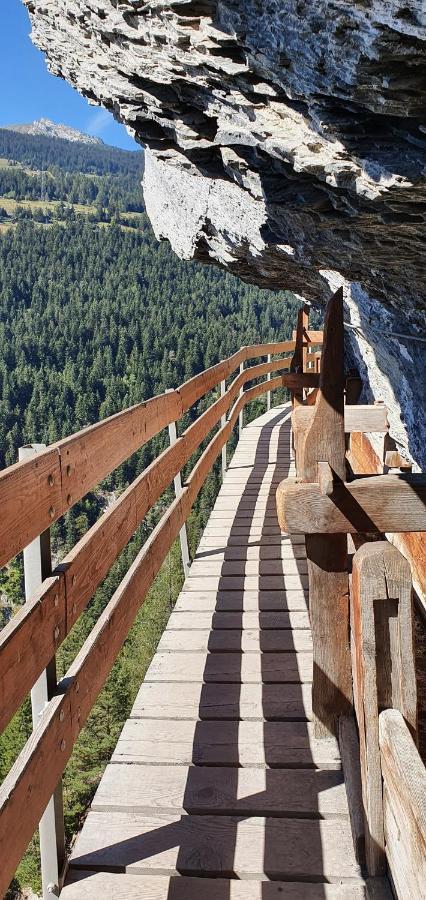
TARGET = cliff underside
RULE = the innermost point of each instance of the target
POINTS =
(285, 143)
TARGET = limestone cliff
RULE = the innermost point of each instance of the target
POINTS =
(285, 143)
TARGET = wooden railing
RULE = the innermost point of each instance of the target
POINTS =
(362, 631)
(36, 492)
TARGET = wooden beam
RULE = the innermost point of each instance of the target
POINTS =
(356, 418)
(404, 778)
(298, 361)
(377, 503)
(324, 441)
(383, 669)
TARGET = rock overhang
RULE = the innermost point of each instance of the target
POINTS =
(284, 142)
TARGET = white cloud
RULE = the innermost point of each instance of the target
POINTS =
(99, 122)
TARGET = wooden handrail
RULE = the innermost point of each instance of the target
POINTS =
(37, 492)
(38, 768)
(31, 637)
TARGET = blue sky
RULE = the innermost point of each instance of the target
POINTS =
(29, 92)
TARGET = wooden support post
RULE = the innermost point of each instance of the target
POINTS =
(383, 669)
(298, 362)
(223, 423)
(241, 415)
(183, 535)
(324, 441)
(37, 567)
(268, 378)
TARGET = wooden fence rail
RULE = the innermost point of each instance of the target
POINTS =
(32, 637)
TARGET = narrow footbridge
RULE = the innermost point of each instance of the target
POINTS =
(271, 750)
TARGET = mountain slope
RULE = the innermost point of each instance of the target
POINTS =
(53, 129)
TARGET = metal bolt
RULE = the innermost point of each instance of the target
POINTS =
(56, 633)
(77, 687)
(61, 716)
(69, 499)
(63, 744)
(53, 889)
(68, 471)
(51, 480)
(52, 512)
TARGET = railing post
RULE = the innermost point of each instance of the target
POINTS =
(268, 378)
(183, 535)
(222, 423)
(383, 670)
(241, 415)
(37, 567)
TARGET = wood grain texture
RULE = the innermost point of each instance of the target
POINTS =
(349, 751)
(404, 777)
(235, 640)
(231, 667)
(384, 673)
(377, 503)
(192, 845)
(86, 885)
(28, 642)
(356, 418)
(30, 500)
(202, 790)
(192, 700)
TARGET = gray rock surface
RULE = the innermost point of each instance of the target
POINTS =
(285, 143)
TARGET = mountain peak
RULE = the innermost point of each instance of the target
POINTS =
(56, 130)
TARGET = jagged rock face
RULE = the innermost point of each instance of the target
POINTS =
(285, 143)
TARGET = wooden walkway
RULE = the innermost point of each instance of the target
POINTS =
(217, 789)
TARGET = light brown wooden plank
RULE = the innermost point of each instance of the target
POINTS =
(250, 551)
(241, 583)
(218, 845)
(226, 641)
(30, 500)
(248, 601)
(224, 743)
(231, 667)
(28, 642)
(356, 418)
(349, 751)
(256, 567)
(159, 700)
(228, 620)
(87, 885)
(404, 777)
(287, 793)
(380, 503)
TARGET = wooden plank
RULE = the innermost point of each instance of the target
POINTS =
(384, 668)
(224, 743)
(231, 667)
(30, 500)
(324, 441)
(218, 845)
(86, 885)
(349, 751)
(28, 642)
(287, 793)
(247, 583)
(404, 778)
(249, 601)
(364, 460)
(183, 700)
(377, 503)
(364, 418)
(259, 568)
(228, 620)
(284, 551)
(235, 641)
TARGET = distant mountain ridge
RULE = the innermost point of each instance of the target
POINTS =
(56, 130)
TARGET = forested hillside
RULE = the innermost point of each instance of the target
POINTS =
(95, 315)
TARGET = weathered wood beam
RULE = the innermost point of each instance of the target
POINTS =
(376, 503)
(298, 362)
(356, 418)
(404, 795)
(383, 670)
(324, 441)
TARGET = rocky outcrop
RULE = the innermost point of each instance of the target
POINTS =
(284, 143)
